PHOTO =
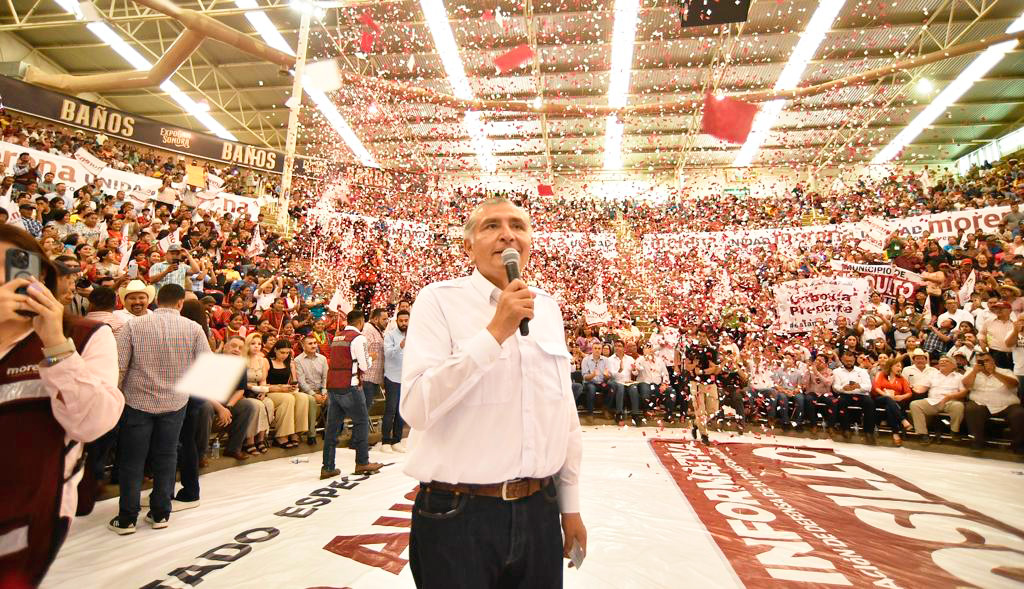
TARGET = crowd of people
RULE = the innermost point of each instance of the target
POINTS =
(707, 351)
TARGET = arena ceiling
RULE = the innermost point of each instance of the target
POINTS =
(572, 44)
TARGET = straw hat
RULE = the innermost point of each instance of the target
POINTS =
(137, 286)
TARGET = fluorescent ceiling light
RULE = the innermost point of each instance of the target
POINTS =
(272, 37)
(950, 94)
(623, 39)
(436, 16)
(613, 143)
(106, 34)
(819, 26)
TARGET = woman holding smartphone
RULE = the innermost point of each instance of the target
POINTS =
(58, 390)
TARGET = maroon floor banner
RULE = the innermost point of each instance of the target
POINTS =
(809, 517)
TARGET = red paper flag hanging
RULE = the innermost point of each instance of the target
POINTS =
(367, 20)
(728, 118)
(545, 190)
(366, 42)
(514, 58)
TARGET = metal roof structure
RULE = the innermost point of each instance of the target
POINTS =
(571, 40)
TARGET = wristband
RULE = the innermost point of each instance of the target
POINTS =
(51, 361)
(65, 347)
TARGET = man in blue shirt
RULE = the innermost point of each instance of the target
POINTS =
(392, 425)
(595, 378)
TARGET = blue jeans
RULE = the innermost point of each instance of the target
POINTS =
(147, 434)
(342, 402)
(844, 401)
(617, 396)
(894, 413)
(650, 393)
(767, 399)
(392, 426)
(588, 392)
(370, 390)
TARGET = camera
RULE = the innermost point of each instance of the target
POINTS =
(19, 259)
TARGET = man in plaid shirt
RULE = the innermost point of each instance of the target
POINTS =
(154, 351)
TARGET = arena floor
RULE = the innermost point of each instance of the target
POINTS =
(661, 512)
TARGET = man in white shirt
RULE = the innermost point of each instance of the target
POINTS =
(996, 332)
(135, 297)
(944, 388)
(495, 434)
(954, 312)
(993, 393)
(621, 368)
(852, 386)
(919, 373)
(653, 382)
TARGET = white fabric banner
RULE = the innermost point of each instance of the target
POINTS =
(802, 304)
(137, 187)
(967, 289)
(91, 163)
(652, 507)
(890, 281)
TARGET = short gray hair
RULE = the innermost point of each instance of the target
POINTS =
(469, 227)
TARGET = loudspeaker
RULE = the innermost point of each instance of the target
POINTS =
(699, 13)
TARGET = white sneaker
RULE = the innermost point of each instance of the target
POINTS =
(183, 505)
(385, 449)
(399, 447)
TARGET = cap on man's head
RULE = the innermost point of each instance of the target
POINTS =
(1000, 305)
(174, 247)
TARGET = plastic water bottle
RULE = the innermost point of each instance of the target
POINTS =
(215, 449)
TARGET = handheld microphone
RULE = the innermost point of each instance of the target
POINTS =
(510, 258)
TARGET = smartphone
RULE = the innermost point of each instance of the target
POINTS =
(19, 263)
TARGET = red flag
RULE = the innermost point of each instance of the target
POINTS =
(545, 190)
(366, 42)
(727, 118)
(514, 58)
(367, 20)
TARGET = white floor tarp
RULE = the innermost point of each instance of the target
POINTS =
(660, 511)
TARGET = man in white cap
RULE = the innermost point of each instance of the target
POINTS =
(945, 389)
(136, 297)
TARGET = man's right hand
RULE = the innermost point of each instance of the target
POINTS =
(514, 305)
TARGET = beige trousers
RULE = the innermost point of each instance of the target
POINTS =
(264, 415)
(705, 404)
(921, 411)
(291, 413)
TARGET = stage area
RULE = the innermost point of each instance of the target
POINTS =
(661, 512)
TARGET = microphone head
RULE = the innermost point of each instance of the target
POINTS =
(510, 256)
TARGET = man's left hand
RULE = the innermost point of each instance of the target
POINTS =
(573, 529)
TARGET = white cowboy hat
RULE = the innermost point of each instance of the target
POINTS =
(137, 286)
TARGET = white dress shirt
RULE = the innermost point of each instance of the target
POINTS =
(992, 392)
(651, 371)
(621, 369)
(940, 385)
(857, 375)
(484, 413)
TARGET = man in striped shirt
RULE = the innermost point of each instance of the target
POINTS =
(154, 351)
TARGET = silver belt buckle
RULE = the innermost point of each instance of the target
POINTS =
(504, 489)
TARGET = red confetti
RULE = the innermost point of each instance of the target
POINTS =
(366, 41)
(513, 59)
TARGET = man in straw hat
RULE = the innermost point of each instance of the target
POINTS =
(136, 297)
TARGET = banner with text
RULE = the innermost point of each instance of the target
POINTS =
(804, 303)
(138, 188)
(871, 234)
(888, 280)
(802, 517)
